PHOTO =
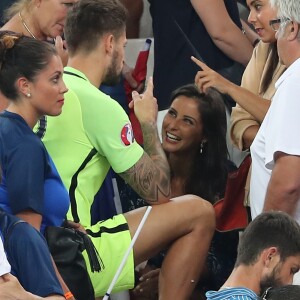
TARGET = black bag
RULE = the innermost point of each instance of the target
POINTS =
(66, 246)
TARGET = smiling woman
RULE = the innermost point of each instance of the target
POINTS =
(194, 139)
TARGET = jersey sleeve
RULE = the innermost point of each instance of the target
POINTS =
(110, 131)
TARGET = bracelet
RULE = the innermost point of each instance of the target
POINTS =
(68, 295)
(255, 42)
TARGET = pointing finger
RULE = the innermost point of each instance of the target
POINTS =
(199, 63)
(149, 87)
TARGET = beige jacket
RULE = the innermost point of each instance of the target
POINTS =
(252, 81)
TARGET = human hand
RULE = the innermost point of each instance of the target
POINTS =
(76, 226)
(11, 289)
(127, 74)
(145, 105)
(148, 285)
(61, 48)
(207, 78)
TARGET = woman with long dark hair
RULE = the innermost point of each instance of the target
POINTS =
(194, 140)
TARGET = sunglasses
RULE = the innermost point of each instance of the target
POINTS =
(275, 24)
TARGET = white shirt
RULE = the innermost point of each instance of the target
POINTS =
(4, 265)
(279, 132)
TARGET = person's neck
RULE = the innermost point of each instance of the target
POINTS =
(29, 26)
(293, 54)
(180, 165)
(30, 117)
(86, 64)
(244, 276)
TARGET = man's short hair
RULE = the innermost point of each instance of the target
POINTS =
(288, 9)
(89, 20)
(270, 229)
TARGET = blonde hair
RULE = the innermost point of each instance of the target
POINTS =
(15, 8)
(9, 41)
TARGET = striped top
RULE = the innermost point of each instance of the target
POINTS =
(238, 293)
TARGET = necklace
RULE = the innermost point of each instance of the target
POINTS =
(26, 27)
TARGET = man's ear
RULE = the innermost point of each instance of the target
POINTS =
(23, 86)
(268, 255)
(109, 41)
(293, 31)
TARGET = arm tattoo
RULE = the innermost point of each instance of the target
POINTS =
(150, 176)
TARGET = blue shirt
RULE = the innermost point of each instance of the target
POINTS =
(30, 180)
(238, 293)
(29, 257)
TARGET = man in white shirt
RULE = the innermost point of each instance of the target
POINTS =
(275, 180)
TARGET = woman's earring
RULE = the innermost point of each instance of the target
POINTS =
(28, 95)
(201, 147)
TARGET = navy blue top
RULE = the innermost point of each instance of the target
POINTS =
(29, 257)
(172, 54)
(29, 177)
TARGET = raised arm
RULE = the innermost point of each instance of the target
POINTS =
(254, 104)
(150, 176)
(223, 31)
(244, 125)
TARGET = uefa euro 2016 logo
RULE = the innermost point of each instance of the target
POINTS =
(127, 136)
